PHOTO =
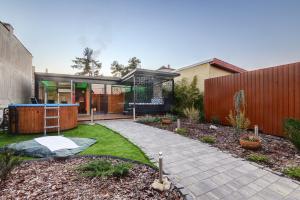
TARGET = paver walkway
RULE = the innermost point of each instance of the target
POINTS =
(204, 171)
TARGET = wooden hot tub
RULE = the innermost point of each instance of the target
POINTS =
(29, 118)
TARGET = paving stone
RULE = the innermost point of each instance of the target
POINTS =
(204, 171)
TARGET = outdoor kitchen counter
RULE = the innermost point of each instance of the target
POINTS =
(29, 118)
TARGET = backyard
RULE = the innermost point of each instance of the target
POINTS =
(64, 178)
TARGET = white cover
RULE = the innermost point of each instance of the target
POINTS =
(54, 143)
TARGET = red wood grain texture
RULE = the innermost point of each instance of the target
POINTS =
(272, 95)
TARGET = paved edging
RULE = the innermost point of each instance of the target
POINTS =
(203, 171)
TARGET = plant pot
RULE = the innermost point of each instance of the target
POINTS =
(252, 145)
(166, 121)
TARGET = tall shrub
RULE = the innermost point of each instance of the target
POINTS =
(292, 130)
(187, 95)
(237, 118)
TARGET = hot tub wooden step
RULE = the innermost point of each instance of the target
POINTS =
(52, 117)
(52, 127)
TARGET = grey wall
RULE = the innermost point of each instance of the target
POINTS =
(15, 69)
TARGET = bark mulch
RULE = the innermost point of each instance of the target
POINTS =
(280, 151)
(50, 179)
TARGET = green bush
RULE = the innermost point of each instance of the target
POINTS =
(103, 168)
(208, 139)
(293, 172)
(148, 119)
(172, 117)
(186, 95)
(215, 120)
(181, 131)
(258, 158)
(292, 130)
(7, 162)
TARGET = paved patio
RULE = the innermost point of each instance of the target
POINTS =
(205, 172)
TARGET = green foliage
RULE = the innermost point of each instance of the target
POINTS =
(172, 117)
(87, 64)
(258, 158)
(292, 130)
(103, 168)
(191, 113)
(181, 131)
(238, 118)
(208, 139)
(7, 162)
(121, 70)
(215, 120)
(148, 120)
(293, 172)
(187, 95)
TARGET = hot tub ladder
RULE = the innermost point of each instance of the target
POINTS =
(47, 117)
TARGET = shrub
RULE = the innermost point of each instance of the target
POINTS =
(237, 118)
(148, 119)
(292, 130)
(258, 158)
(208, 139)
(293, 172)
(191, 113)
(7, 162)
(215, 120)
(187, 94)
(103, 168)
(181, 131)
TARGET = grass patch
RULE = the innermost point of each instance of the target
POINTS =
(181, 131)
(293, 172)
(258, 158)
(108, 142)
(103, 168)
(208, 139)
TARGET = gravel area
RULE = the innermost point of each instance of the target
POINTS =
(280, 151)
(50, 179)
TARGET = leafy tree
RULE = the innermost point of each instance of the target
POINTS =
(121, 70)
(87, 63)
(188, 95)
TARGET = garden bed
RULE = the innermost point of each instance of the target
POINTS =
(280, 152)
(50, 179)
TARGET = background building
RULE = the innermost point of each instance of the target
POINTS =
(207, 69)
(16, 73)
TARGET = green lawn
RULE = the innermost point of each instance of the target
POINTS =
(108, 142)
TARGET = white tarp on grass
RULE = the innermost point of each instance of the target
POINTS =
(54, 143)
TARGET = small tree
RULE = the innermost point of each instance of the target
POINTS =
(237, 118)
(87, 64)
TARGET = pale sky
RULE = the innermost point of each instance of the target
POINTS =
(249, 34)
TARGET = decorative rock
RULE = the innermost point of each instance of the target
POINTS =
(213, 127)
(165, 185)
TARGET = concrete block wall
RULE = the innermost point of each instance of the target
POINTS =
(15, 69)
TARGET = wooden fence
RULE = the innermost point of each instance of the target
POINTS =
(272, 95)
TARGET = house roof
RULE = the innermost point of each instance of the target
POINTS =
(217, 63)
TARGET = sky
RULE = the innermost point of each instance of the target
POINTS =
(249, 34)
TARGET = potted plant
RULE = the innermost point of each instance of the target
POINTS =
(249, 141)
(166, 120)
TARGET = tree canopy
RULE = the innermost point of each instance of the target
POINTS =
(120, 70)
(87, 64)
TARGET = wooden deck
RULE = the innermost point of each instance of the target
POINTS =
(84, 117)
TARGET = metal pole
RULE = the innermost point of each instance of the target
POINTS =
(134, 96)
(160, 159)
(71, 91)
(178, 123)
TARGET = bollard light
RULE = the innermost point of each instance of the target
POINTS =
(178, 123)
(160, 159)
(256, 130)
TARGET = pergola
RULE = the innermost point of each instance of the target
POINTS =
(149, 91)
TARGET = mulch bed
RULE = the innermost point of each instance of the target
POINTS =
(50, 179)
(280, 151)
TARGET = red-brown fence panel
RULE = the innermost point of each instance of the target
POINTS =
(272, 95)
